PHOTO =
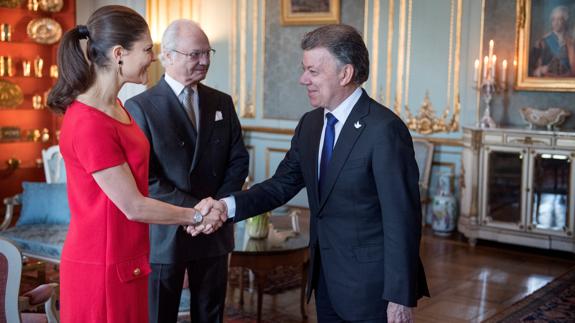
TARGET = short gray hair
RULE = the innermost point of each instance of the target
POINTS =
(345, 43)
(170, 36)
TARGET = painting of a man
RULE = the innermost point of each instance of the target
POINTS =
(311, 6)
(553, 54)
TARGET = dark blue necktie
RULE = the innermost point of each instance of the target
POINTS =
(327, 150)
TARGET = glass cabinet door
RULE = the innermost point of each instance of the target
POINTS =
(503, 188)
(550, 191)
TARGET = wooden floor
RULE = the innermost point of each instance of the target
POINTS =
(468, 284)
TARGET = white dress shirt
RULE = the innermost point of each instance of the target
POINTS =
(178, 88)
(341, 112)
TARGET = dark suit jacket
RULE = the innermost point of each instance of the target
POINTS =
(184, 169)
(368, 221)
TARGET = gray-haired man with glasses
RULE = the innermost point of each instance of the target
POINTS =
(196, 151)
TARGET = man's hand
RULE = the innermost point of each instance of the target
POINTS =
(215, 215)
(398, 313)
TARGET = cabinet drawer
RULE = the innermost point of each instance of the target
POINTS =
(565, 142)
(493, 138)
(545, 141)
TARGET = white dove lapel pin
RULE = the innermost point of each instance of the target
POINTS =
(219, 116)
(357, 125)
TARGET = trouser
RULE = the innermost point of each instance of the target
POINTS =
(207, 282)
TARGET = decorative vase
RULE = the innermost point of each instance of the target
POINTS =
(258, 226)
(444, 208)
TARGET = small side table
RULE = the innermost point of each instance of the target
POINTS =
(262, 256)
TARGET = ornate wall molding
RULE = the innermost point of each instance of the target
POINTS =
(400, 61)
(247, 52)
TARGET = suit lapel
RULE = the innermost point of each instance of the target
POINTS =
(315, 137)
(352, 129)
(207, 111)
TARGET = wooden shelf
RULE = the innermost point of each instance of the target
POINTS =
(26, 140)
(26, 42)
(21, 47)
(20, 78)
(23, 109)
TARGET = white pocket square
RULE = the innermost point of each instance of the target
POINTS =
(219, 116)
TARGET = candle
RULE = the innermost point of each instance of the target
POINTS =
(475, 71)
(485, 64)
(493, 64)
(491, 44)
(504, 71)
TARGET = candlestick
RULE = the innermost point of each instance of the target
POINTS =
(504, 71)
(491, 44)
(475, 71)
(485, 65)
(493, 65)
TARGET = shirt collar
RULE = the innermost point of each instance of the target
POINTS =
(342, 111)
(176, 86)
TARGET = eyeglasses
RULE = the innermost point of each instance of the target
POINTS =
(196, 54)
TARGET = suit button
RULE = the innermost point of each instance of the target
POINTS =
(182, 144)
(137, 272)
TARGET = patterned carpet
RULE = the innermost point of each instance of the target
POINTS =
(555, 302)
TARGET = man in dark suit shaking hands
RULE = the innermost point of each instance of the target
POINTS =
(355, 158)
(196, 151)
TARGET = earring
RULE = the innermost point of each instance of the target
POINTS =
(120, 63)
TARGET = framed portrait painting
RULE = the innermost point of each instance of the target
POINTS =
(545, 45)
(310, 12)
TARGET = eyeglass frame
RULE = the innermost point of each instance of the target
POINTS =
(196, 54)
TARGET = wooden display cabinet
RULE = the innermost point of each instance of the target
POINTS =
(26, 151)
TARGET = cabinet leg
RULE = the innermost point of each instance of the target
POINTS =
(302, 292)
(473, 242)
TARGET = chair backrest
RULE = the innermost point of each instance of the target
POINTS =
(54, 168)
(10, 272)
(423, 156)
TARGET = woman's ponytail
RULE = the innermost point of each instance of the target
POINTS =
(74, 73)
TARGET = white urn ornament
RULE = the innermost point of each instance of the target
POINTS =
(444, 208)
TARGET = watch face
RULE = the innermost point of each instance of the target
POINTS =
(198, 218)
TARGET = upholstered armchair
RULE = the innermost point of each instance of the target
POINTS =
(53, 165)
(14, 304)
(43, 223)
(424, 157)
(44, 213)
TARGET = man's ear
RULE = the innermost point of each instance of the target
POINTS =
(168, 56)
(346, 74)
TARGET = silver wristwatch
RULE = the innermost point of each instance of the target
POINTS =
(198, 218)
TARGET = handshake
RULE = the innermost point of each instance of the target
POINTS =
(214, 215)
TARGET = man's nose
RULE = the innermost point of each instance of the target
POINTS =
(204, 60)
(303, 79)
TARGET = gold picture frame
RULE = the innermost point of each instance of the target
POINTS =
(310, 12)
(543, 64)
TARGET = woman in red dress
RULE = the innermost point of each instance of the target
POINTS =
(104, 264)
